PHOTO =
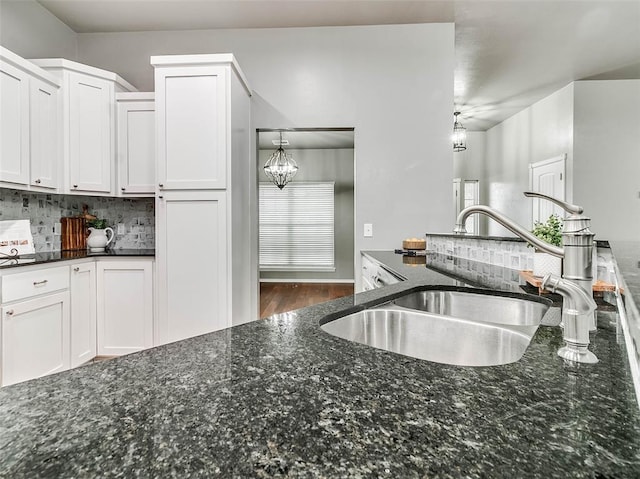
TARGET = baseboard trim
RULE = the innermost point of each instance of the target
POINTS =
(290, 280)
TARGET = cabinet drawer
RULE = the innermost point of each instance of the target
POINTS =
(33, 283)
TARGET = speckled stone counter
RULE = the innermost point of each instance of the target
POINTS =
(281, 398)
(57, 256)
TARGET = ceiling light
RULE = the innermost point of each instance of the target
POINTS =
(280, 167)
(459, 134)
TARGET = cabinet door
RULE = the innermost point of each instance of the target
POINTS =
(83, 313)
(35, 338)
(91, 135)
(14, 125)
(125, 306)
(136, 147)
(45, 122)
(192, 264)
(192, 129)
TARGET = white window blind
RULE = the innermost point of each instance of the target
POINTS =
(297, 226)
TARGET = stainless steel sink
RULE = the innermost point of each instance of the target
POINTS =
(514, 309)
(449, 327)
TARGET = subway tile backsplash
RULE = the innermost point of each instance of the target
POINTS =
(45, 210)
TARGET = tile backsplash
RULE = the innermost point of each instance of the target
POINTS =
(509, 253)
(45, 210)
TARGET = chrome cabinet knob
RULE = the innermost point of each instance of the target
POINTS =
(38, 181)
(10, 312)
(75, 186)
(76, 269)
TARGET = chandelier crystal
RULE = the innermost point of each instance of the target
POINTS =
(459, 134)
(280, 168)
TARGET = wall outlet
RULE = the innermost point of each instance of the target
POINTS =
(121, 229)
(57, 229)
(368, 230)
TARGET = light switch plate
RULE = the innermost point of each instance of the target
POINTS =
(368, 230)
(121, 229)
(57, 228)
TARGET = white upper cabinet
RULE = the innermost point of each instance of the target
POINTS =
(90, 130)
(192, 92)
(136, 144)
(29, 124)
(88, 124)
(45, 134)
(14, 126)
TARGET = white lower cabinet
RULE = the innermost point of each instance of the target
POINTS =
(35, 337)
(124, 306)
(192, 286)
(83, 313)
(58, 317)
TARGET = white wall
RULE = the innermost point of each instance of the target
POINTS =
(31, 31)
(392, 83)
(539, 132)
(607, 156)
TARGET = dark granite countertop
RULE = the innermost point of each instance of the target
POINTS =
(56, 256)
(281, 398)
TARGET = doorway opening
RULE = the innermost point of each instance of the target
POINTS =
(306, 232)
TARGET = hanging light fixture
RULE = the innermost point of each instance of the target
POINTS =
(459, 134)
(280, 167)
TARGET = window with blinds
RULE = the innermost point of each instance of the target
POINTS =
(297, 226)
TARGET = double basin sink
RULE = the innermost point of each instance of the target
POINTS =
(457, 326)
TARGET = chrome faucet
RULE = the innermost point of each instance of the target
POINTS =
(575, 302)
(577, 257)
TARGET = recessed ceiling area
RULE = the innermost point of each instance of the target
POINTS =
(312, 139)
(509, 53)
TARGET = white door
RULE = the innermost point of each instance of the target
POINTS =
(45, 146)
(125, 306)
(83, 313)
(14, 125)
(35, 338)
(136, 147)
(192, 264)
(91, 124)
(547, 177)
(191, 127)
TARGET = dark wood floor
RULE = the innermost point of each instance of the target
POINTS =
(281, 297)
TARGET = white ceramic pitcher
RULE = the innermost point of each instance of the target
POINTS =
(98, 239)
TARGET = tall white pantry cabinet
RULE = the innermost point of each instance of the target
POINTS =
(205, 178)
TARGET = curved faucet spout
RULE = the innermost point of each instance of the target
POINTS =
(579, 302)
(510, 225)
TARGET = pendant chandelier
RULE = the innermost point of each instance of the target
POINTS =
(280, 167)
(459, 134)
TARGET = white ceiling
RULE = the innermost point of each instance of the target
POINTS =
(509, 53)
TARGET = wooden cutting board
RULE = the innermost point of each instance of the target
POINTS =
(74, 233)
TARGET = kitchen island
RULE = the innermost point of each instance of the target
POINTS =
(280, 397)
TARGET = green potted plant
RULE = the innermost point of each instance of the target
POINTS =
(550, 232)
(98, 224)
(98, 238)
